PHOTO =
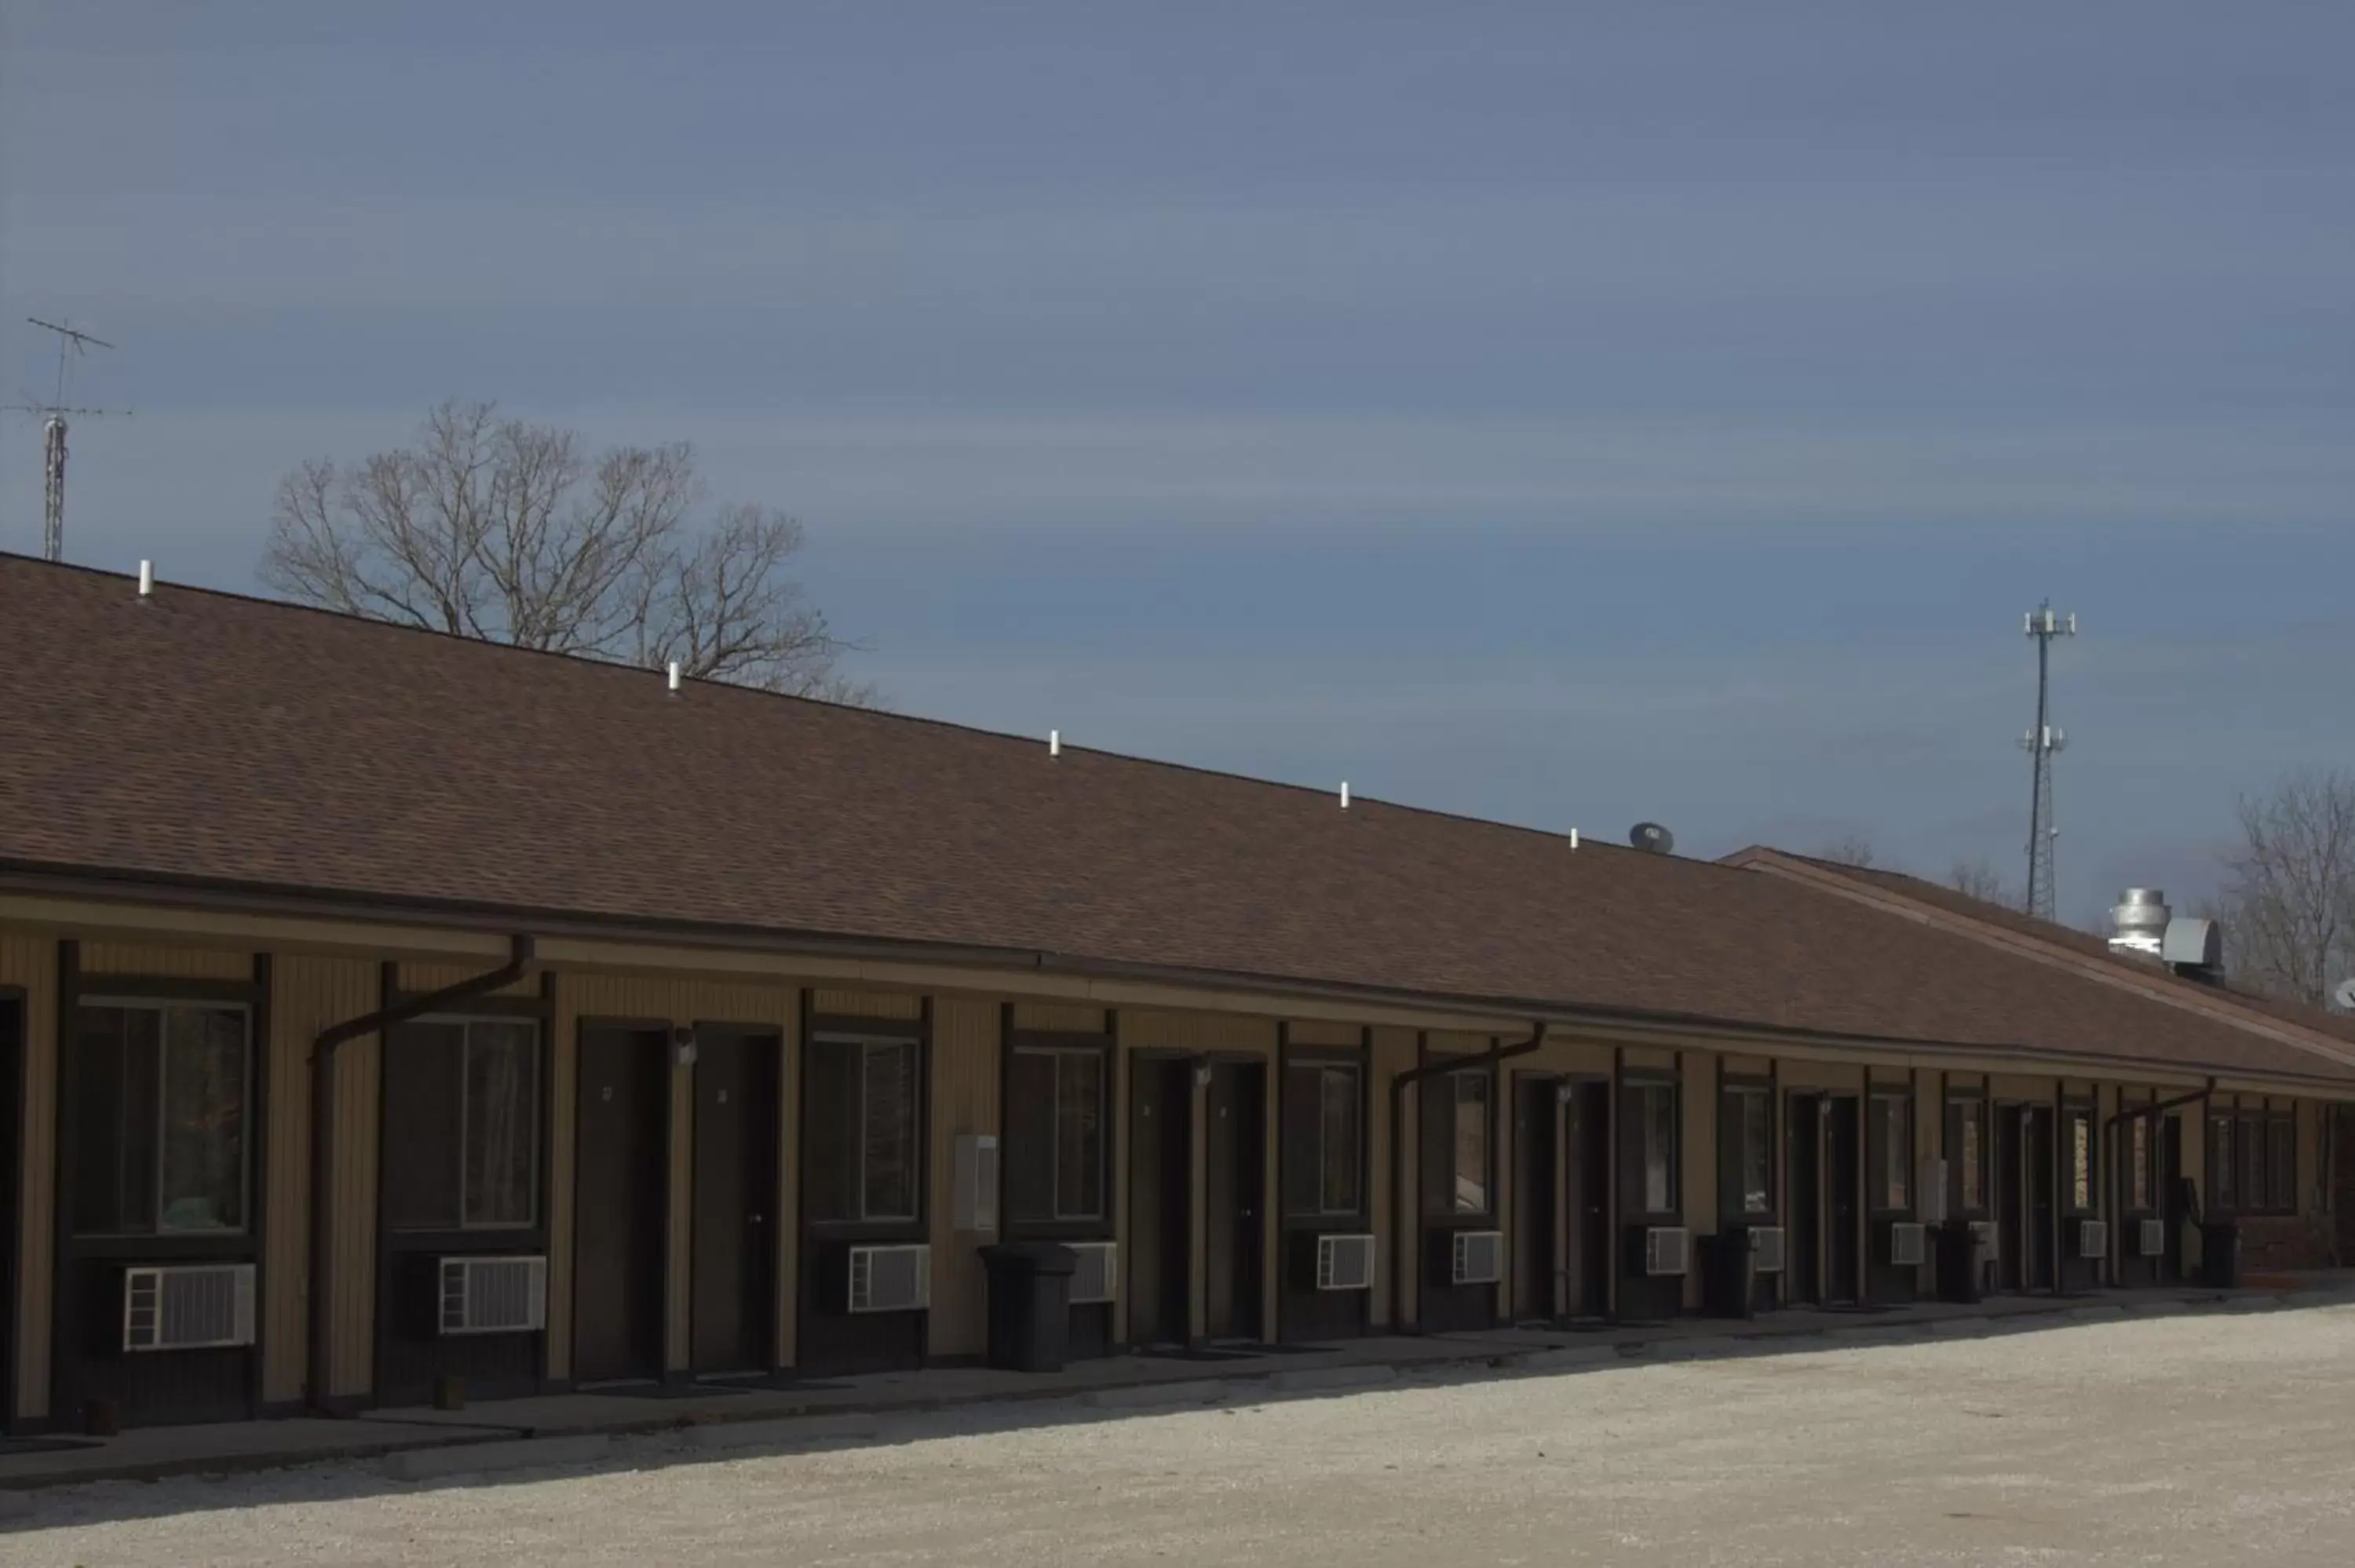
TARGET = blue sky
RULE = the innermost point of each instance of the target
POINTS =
(1566, 413)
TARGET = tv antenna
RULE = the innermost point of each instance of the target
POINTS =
(2041, 744)
(73, 344)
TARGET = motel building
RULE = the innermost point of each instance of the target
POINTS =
(380, 1009)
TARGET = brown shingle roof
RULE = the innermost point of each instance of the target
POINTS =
(204, 736)
(2083, 944)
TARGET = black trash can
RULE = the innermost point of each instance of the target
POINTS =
(2219, 1255)
(1030, 1304)
(1960, 1277)
(1730, 1275)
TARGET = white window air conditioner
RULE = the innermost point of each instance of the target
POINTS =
(890, 1278)
(494, 1294)
(2150, 1238)
(2093, 1238)
(1770, 1249)
(1986, 1240)
(1097, 1278)
(1667, 1250)
(1908, 1244)
(973, 1196)
(1345, 1263)
(1479, 1258)
(188, 1307)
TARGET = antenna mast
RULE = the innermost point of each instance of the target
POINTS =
(72, 345)
(2041, 744)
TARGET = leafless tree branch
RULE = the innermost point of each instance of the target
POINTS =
(2289, 898)
(494, 528)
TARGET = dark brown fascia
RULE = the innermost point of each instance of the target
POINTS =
(2216, 1008)
(1635, 1025)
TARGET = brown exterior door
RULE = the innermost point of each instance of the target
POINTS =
(12, 1161)
(731, 1285)
(2004, 1197)
(623, 1157)
(2043, 1214)
(1235, 1152)
(2172, 1209)
(1537, 1187)
(1160, 1199)
(1803, 1239)
(1844, 1175)
(1586, 1194)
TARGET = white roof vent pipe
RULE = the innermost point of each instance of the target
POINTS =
(1054, 743)
(2138, 922)
(146, 579)
(1344, 794)
(674, 677)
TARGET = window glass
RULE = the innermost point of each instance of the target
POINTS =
(2281, 1151)
(1078, 1135)
(1342, 1148)
(1032, 1151)
(1757, 1151)
(2081, 1160)
(2139, 1151)
(160, 1119)
(1659, 1134)
(202, 1183)
(1471, 1142)
(1893, 1146)
(2249, 1149)
(1970, 1154)
(887, 1123)
(2223, 1190)
(502, 1120)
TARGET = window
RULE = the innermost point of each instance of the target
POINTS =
(1055, 1122)
(2080, 1134)
(1654, 1125)
(1748, 1119)
(1890, 1148)
(2252, 1157)
(1471, 1140)
(462, 1112)
(2140, 1147)
(1324, 1154)
(2280, 1154)
(1966, 1152)
(160, 1094)
(864, 1123)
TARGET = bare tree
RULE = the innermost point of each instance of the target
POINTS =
(1977, 878)
(493, 528)
(2289, 898)
(1854, 849)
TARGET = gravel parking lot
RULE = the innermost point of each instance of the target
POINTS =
(2201, 1439)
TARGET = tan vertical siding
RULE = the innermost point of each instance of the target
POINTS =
(2021, 1086)
(351, 1266)
(420, 978)
(1696, 1072)
(1059, 1018)
(306, 996)
(1829, 1077)
(866, 1004)
(30, 964)
(1323, 1031)
(166, 962)
(1144, 1030)
(965, 1099)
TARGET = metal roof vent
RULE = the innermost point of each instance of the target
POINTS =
(2194, 948)
(2138, 922)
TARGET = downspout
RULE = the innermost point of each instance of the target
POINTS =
(324, 1051)
(1401, 1221)
(2118, 1169)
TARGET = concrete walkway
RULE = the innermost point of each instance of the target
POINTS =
(421, 1444)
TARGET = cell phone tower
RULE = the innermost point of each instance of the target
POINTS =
(2042, 743)
(72, 345)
